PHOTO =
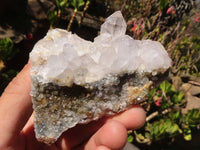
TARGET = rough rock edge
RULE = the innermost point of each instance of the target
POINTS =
(133, 92)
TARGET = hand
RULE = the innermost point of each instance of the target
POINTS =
(17, 131)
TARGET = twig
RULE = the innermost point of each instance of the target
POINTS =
(84, 11)
(123, 5)
(194, 82)
(154, 114)
(196, 69)
(151, 116)
(72, 20)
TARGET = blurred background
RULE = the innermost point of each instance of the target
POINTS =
(173, 109)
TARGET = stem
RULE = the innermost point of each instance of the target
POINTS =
(195, 68)
(72, 19)
(155, 18)
(51, 26)
(59, 14)
(1, 64)
(123, 5)
(84, 11)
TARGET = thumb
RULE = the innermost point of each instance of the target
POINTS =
(15, 103)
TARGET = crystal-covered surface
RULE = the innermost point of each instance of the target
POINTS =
(76, 81)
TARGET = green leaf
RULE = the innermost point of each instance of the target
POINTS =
(77, 3)
(130, 139)
(165, 86)
(62, 3)
(81, 3)
(147, 135)
(192, 118)
(58, 3)
(188, 137)
(140, 136)
(176, 115)
(180, 131)
(163, 4)
(52, 16)
(162, 129)
(156, 129)
(151, 93)
(149, 127)
(174, 129)
(187, 134)
(168, 124)
(6, 49)
(177, 97)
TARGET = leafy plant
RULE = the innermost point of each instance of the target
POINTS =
(52, 17)
(158, 20)
(61, 4)
(6, 49)
(55, 15)
(7, 52)
(165, 120)
(186, 55)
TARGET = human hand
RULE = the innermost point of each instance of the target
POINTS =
(17, 131)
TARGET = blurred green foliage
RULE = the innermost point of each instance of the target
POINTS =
(186, 56)
(77, 4)
(52, 17)
(62, 4)
(163, 4)
(7, 52)
(146, 19)
(55, 15)
(166, 120)
(6, 49)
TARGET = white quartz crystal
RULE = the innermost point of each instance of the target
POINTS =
(64, 58)
(74, 81)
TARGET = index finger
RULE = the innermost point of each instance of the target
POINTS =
(132, 118)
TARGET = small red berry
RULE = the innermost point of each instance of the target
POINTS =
(29, 36)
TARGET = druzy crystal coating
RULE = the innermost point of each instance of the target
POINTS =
(75, 81)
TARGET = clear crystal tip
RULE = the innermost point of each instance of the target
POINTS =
(115, 25)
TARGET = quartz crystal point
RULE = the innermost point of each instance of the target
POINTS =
(75, 81)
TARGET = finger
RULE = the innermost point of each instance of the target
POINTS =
(28, 126)
(132, 118)
(79, 134)
(31, 142)
(111, 136)
(15, 103)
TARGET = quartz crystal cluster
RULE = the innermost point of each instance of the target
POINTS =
(75, 81)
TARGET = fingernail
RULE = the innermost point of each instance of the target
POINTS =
(29, 61)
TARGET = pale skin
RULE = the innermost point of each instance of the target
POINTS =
(17, 130)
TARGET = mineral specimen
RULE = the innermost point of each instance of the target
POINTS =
(76, 81)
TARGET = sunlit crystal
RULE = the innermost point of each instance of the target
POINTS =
(75, 81)
(115, 25)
